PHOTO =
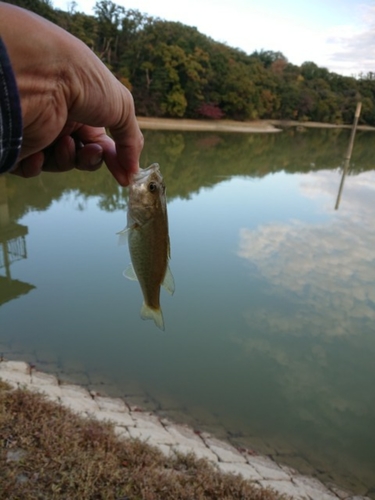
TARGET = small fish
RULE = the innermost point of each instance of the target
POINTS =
(148, 240)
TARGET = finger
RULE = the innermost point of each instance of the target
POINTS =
(64, 155)
(60, 156)
(68, 153)
(30, 166)
(125, 162)
(129, 143)
(122, 156)
(122, 161)
(89, 157)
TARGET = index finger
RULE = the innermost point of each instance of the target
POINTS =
(129, 142)
(97, 99)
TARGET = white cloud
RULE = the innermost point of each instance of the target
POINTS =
(353, 47)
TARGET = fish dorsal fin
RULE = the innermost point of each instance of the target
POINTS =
(130, 273)
(168, 282)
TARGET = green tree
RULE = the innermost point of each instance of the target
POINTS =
(43, 8)
(173, 70)
(109, 17)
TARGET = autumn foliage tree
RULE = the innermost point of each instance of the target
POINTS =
(173, 70)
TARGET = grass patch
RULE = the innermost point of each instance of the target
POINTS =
(47, 452)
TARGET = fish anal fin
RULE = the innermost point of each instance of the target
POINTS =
(168, 281)
(130, 273)
(154, 314)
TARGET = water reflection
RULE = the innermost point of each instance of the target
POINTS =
(341, 187)
(326, 270)
(348, 153)
(12, 249)
(275, 303)
(318, 289)
(192, 161)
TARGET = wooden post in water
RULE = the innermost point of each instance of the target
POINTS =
(348, 153)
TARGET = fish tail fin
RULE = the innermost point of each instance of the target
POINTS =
(155, 314)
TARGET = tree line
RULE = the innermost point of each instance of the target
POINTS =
(173, 70)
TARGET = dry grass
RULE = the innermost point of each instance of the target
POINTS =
(46, 452)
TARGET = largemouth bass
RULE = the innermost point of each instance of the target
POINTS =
(148, 240)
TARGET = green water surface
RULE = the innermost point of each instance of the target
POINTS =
(270, 335)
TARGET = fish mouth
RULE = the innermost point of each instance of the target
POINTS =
(144, 172)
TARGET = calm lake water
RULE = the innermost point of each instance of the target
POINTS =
(270, 335)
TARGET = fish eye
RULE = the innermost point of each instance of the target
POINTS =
(152, 187)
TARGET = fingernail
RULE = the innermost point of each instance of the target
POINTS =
(96, 159)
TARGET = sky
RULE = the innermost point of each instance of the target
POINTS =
(336, 34)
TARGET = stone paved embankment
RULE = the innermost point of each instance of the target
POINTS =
(131, 422)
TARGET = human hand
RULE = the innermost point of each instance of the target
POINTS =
(68, 99)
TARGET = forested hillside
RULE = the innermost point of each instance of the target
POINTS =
(175, 71)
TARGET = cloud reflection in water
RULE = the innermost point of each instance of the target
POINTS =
(326, 269)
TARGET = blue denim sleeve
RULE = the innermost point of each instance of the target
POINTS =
(10, 114)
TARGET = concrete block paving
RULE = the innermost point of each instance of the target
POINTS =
(132, 422)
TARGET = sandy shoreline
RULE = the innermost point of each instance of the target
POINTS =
(256, 126)
(205, 125)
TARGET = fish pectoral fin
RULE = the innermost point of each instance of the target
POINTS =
(130, 273)
(168, 281)
(154, 314)
(123, 236)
